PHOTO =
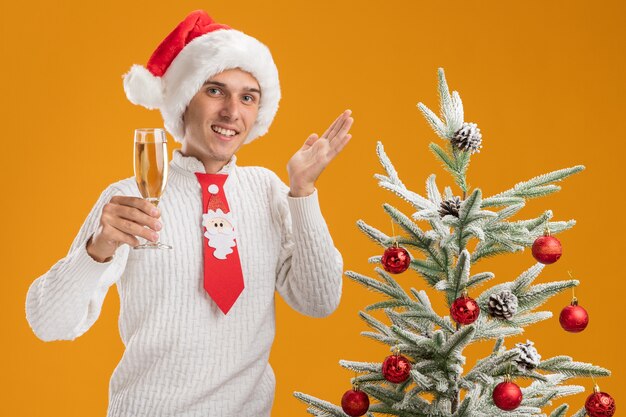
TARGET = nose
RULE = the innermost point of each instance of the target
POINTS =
(230, 109)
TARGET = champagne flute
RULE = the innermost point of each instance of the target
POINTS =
(151, 170)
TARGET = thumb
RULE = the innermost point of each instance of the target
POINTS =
(310, 141)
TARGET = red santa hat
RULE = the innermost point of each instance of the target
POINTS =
(215, 202)
(197, 49)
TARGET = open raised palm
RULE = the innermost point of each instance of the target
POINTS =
(306, 165)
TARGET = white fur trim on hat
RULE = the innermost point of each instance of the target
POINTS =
(143, 88)
(208, 55)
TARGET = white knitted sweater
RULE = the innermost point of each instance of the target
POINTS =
(183, 356)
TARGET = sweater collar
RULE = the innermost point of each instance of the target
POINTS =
(189, 165)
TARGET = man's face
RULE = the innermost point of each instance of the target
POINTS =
(219, 117)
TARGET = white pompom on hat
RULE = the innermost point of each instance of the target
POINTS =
(194, 51)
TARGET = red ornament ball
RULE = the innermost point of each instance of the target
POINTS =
(396, 368)
(547, 249)
(396, 260)
(507, 396)
(574, 318)
(600, 404)
(464, 310)
(355, 403)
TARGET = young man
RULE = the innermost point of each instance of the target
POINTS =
(198, 321)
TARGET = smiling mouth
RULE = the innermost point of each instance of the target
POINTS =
(227, 133)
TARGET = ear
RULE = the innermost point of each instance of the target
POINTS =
(183, 119)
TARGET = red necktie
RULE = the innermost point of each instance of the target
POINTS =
(223, 278)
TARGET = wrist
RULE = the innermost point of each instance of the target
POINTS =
(93, 252)
(301, 190)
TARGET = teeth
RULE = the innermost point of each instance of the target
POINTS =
(225, 132)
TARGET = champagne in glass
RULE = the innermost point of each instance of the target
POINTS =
(151, 170)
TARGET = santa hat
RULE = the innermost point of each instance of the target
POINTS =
(197, 49)
(216, 209)
(215, 203)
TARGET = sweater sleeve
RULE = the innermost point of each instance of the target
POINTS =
(66, 301)
(309, 270)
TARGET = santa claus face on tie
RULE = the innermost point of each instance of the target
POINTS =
(219, 225)
(220, 232)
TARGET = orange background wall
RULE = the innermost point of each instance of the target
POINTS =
(545, 81)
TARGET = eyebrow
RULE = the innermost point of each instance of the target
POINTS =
(254, 90)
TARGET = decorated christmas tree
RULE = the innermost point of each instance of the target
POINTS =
(426, 373)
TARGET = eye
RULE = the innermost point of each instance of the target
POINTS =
(213, 90)
(249, 99)
(221, 224)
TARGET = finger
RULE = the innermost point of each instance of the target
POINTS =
(131, 228)
(138, 203)
(339, 126)
(330, 133)
(341, 143)
(333, 124)
(338, 145)
(120, 237)
(112, 212)
(138, 216)
(343, 130)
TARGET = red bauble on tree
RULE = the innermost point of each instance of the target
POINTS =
(396, 368)
(396, 259)
(507, 395)
(547, 249)
(600, 404)
(464, 310)
(574, 318)
(355, 402)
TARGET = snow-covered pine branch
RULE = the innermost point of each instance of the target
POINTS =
(456, 163)
(537, 186)
(392, 174)
(504, 237)
(451, 108)
(566, 366)
(319, 407)
(392, 291)
(459, 277)
(374, 234)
